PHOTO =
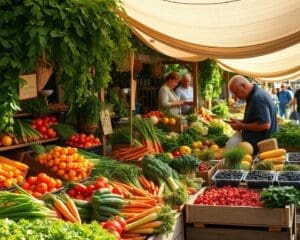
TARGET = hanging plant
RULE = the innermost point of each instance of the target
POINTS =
(74, 34)
(210, 79)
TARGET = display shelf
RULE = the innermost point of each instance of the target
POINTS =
(22, 114)
(16, 146)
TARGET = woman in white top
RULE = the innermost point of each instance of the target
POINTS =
(167, 98)
(185, 92)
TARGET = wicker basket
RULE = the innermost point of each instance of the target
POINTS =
(43, 73)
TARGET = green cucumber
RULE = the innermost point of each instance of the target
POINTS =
(107, 211)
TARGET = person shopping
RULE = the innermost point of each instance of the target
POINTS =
(167, 98)
(260, 118)
(185, 92)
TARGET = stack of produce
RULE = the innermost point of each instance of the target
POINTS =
(66, 163)
(83, 141)
(11, 172)
(276, 157)
(41, 184)
(24, 132)
(43, 125)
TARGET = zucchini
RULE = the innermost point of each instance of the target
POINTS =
(82, 203)
(111, 195)
(111, 202)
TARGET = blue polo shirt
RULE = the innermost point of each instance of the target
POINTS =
(259, 108)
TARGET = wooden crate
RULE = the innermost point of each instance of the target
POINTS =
(176, 234)
(206, 176)
(233, 233)
(232, 222)
(239, 215)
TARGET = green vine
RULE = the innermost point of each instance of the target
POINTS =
(210, 79)
(73, 34)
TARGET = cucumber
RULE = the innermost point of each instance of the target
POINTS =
(111, 202)
(111, 195)
(107, 211)
(101, 191)
(82, 203)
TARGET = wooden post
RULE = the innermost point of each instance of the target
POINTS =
(101, 96)
(195, 86)
(226, 75)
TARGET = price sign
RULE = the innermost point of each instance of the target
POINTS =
(29, 90)
(106, 122)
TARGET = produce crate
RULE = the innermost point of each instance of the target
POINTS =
(293, 180)
(263, 179)
(176, 234)
(293, 157)
(207, 175)
(232, 222)
(234, 180)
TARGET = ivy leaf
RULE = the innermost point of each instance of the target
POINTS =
(4, 61)
(5, 43)
(35, 10)
(55, 33)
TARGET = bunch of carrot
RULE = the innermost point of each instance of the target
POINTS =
(149, 185)
(155, 220)
(65, 207)
(131, 153)
(11, 172)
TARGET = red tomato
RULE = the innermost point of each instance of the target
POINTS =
(176, 153)
(114, 232)
(38, 122)
(72, 193)
(79, 187)
(51, 183)
(103, 179)
(90, 189)
(113, 225)
(99, 184)
(26, 186)
(42, 177)
(42, 188)
(53, 119)
(32, 180)
(122, 221)
(36, 194)
(117, 190)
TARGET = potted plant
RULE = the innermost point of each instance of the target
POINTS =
(88, 115)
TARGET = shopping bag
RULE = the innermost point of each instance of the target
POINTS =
(234, 140)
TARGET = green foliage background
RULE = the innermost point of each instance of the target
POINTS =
(73, 34)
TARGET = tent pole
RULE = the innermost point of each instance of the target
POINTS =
(195, 86)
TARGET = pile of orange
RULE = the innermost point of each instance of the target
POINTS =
(168, 120)
(67, 163)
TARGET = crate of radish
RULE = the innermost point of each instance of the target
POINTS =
(236, 206)
(206, 170)
(225, 177)
(260, 178)
(288, 178)
(66, 163)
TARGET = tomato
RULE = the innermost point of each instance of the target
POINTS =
(122, 221)
(42, 188)
(99, 184)
(117, 190)
(26, 186)
(36, 194)
(103, 179)
(32, 180)
(51, 183)
(58, 183)
(41, 177)
(72, 193)
(53, 119)
(51, 133)
(38, 122)
(90, 189)
(176, 153)
(114, 225)
(79, 187)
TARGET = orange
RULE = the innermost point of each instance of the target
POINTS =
(165, 120)
(6, 140)
(172, 121)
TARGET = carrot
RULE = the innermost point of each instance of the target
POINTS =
(58, 214)
(128, 214)
(152, 185)
(62, 208)
(135, 209)
(143, 214)
(4, 173)
(191, 190)
(72, 207)
(16, 164)
(151, 202)
(153, 224)
(145, 180)
(131, 204)
(143, 230)
(134, 238)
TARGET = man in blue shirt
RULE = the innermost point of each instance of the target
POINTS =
(260, 118)
(285, 99)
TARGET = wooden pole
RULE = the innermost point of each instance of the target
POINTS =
(195, 86)
(101, 96)
(227, 86)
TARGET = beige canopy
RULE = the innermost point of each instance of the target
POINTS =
(252, 37)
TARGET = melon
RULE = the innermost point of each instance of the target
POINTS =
(246, 147)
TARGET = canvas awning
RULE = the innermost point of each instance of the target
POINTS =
(256, 38)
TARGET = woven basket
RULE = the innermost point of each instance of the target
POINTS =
(43, 73)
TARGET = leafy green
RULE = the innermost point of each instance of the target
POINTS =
(51, 230)
(233, 158)
(220, 140)
(277, 197)
(291, 167)
(221, 110)
(185, 164)
(170, 144)
(288, 135)
(264, 165)
(164, 157)
(37, 106)
(64, 131)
